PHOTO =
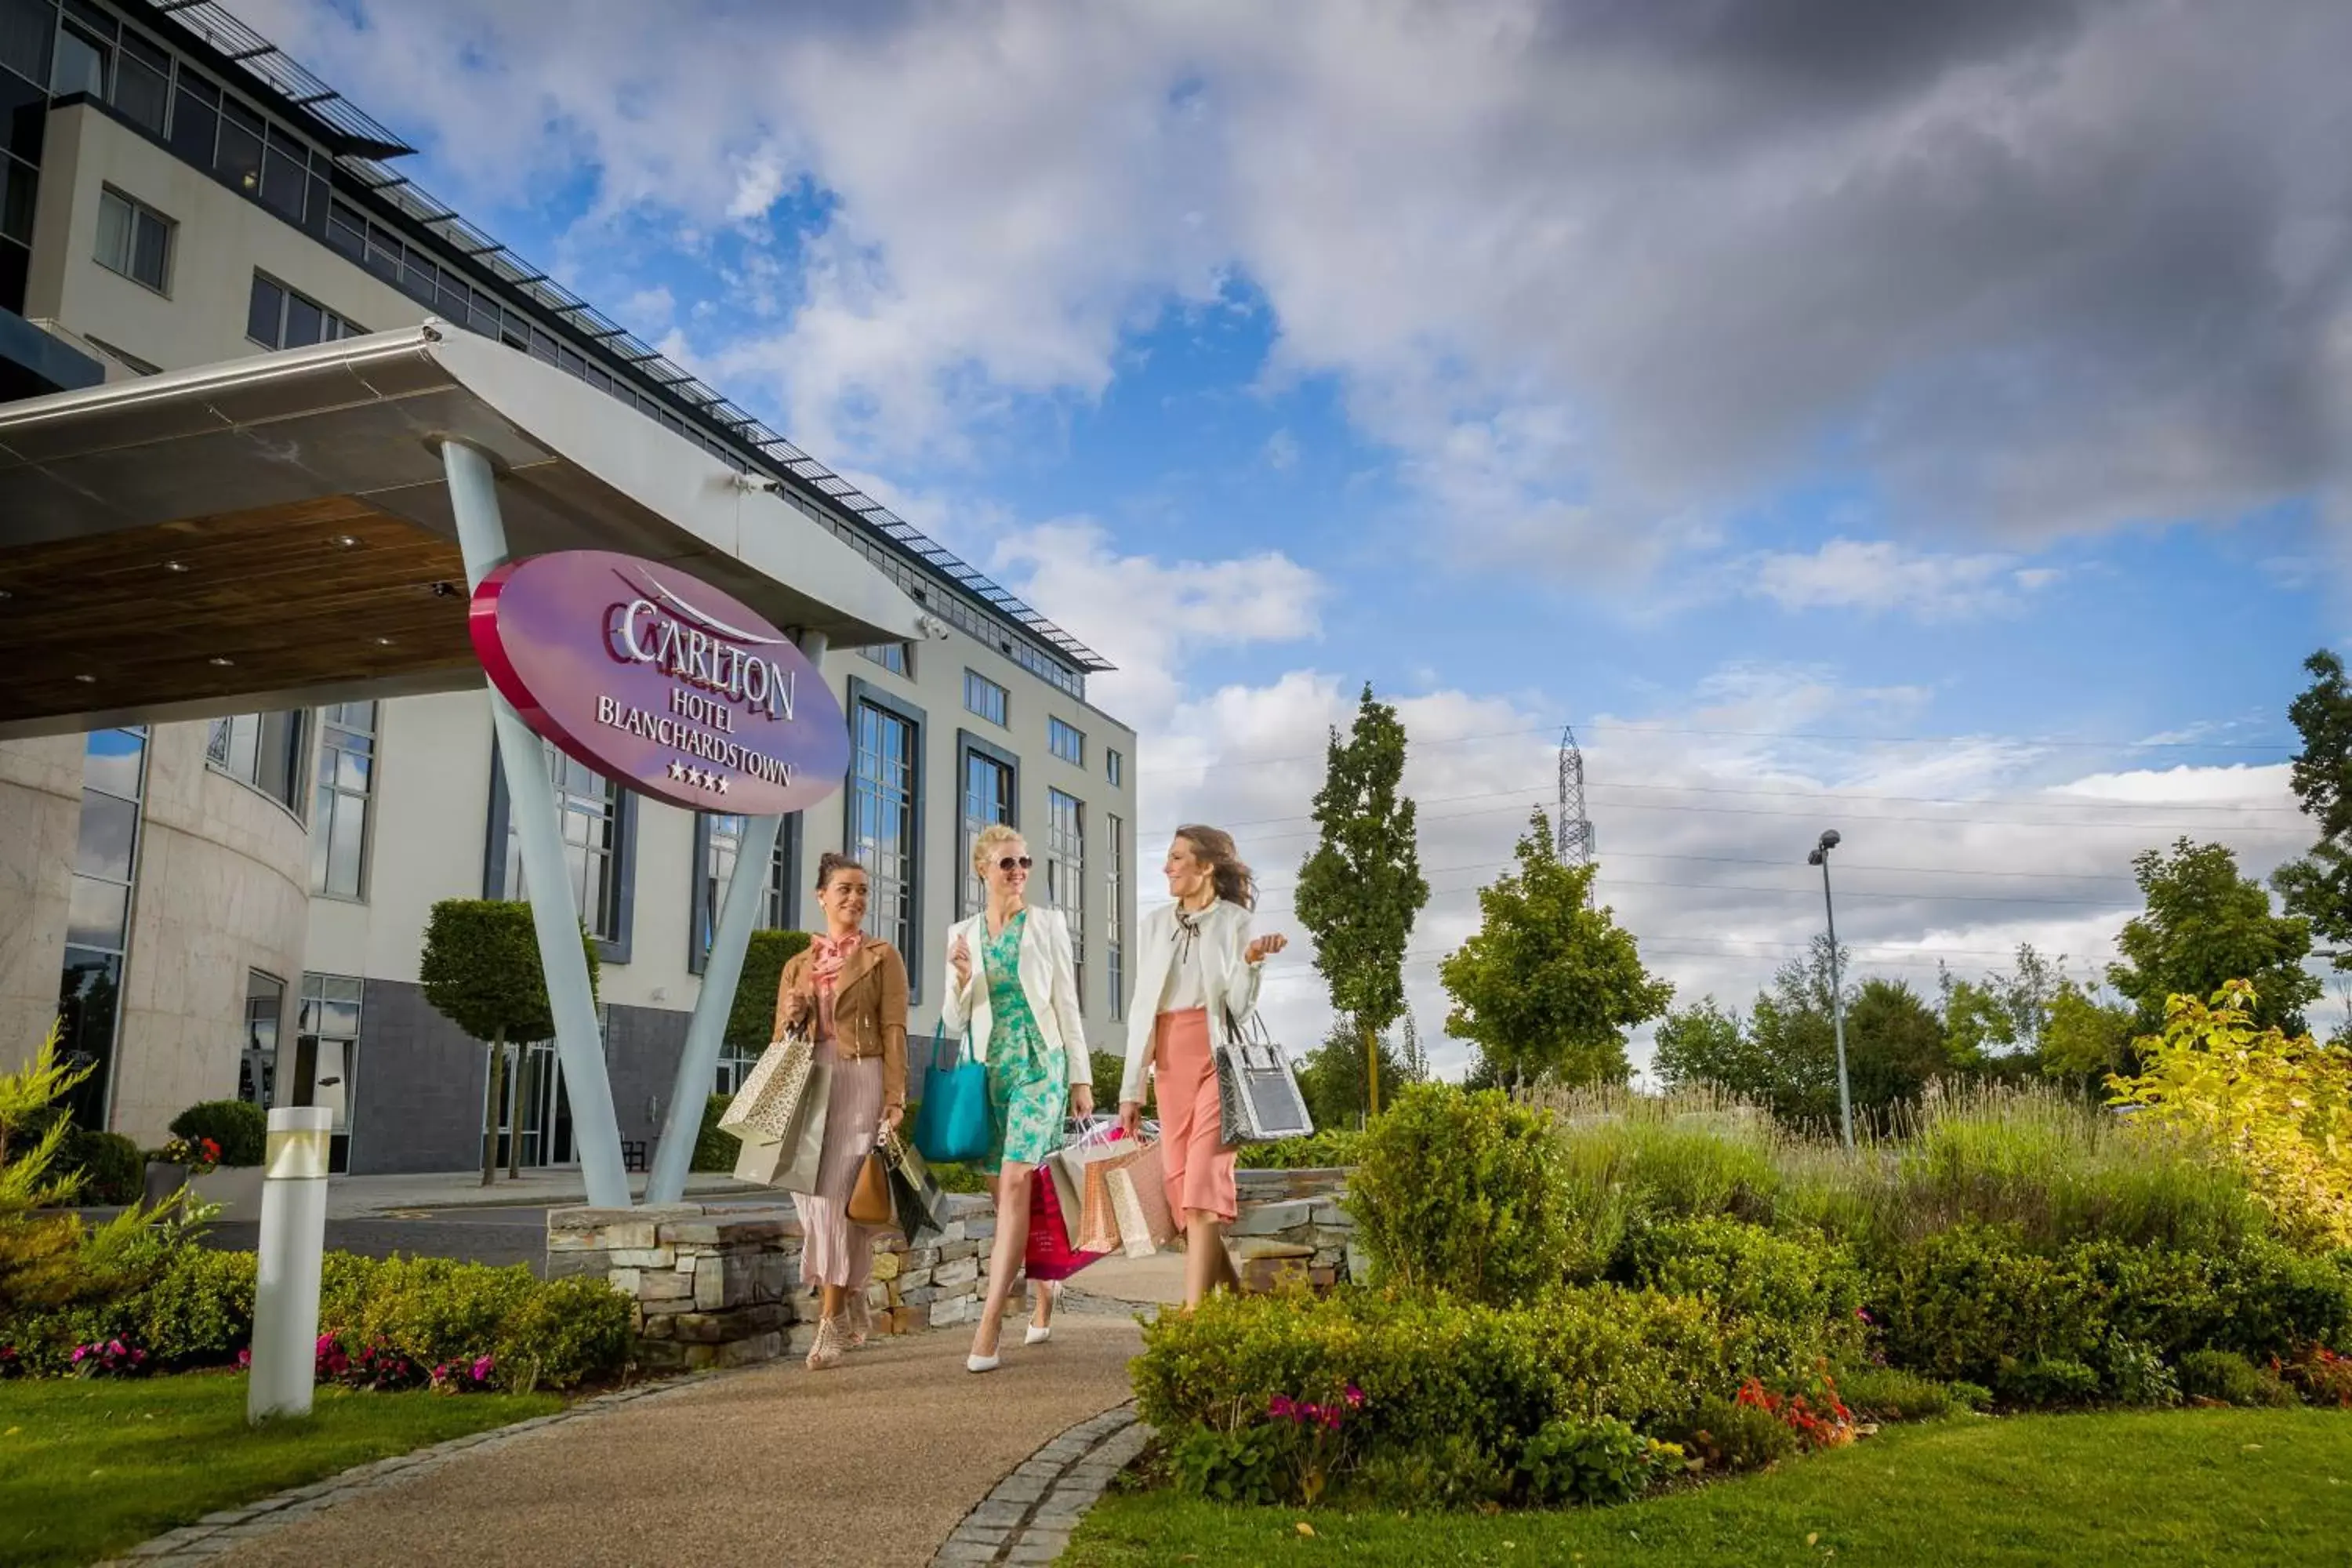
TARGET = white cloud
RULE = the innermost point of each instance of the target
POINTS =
(1282, 450)
(1879, 576)
(1599, 275)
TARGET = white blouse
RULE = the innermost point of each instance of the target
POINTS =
(1188, 983)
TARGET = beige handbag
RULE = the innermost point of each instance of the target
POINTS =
(770, 1098)
(1139, 1202)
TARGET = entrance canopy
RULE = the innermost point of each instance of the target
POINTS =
(277, 531)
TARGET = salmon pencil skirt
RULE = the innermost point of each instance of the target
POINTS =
(1200, 1167)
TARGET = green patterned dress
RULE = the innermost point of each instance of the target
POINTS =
(1028, 1083)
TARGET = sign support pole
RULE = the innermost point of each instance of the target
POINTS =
(530, 796)
(706, 1032)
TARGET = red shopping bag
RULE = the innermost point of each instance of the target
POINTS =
(1050, 1255)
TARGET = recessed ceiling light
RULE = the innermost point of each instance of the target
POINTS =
(384, 642)
(175, 566)
(6, 594)
(220, 662)
(86, 679)
(345, 540)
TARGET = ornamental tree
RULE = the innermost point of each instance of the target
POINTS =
(480, 970)
(2280, 1109)
(2206, 925)
(1361, 888)
(1549, 985)
(2319, 887)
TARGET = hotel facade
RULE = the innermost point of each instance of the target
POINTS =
(234, 907)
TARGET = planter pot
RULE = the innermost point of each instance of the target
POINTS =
(237, 1188)
(163, 1179)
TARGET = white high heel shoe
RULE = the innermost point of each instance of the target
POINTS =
(1034, 1335)
(981, 1363)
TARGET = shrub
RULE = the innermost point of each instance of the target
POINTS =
(562, 1332)
(956, 1177)
(2233, 1380)
(1228, 1467)
(1594, 1462)
(239, 1127)
(715, 1150)
(1729, 1435)
(2133, 1371)
(1333, 1148)
(1800, 1296)
(2048, 1380)
(1890, 1394)
(113, 1171)
(1445, 1472)
(1459, 1191)
(1432, 1369)
(1972, 1300)
(2280, 1109)
(2321, 1376)
(199, 1312)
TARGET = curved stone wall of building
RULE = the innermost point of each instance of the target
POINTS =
(222, 891)
(40, 816)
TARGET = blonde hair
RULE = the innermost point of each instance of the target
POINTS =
(984, 843)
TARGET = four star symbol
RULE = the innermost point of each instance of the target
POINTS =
(701, 778)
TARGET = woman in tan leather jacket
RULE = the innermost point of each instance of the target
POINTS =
(853, 988)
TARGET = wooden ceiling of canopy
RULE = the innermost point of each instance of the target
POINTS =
(295, 596)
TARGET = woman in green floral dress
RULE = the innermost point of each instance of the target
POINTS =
(1012, 982)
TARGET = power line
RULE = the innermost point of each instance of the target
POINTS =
(1225, 763)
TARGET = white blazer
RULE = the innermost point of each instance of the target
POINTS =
(1228, 976)
(1049, 979)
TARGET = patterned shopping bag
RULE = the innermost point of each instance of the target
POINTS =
(1050, 1255)
(1138, 1200)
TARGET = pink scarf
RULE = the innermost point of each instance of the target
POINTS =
(832, 952)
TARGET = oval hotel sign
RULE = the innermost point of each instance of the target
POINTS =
(660, 681)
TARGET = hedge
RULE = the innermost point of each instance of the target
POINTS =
(239, 1127)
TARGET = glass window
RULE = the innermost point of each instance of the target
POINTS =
(326, 1045)
(1113, 767)
(347, 230)
(241, 135)
(27, 30)
(257, 1067)
(195, 120)
(883, 783)
(19, 192)
(265, 317)
(1065, 742)
(339, 821)
(987, 798)
(134, 240)
(88, 994)
(285, 170)
(263, 750)
(143, 83)
(278, 318)
(589, 809)
(983, 697)
(1114, 912)
(1066, 870)
(890, 656)
(722, 844)
(83, 61)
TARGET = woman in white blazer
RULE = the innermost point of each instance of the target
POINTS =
(1012, 982)
(1198, 971)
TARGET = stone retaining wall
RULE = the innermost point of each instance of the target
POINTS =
(719, 1285)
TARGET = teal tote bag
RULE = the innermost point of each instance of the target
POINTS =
(951, 1124)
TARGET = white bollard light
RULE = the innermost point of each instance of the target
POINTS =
(293, 1243)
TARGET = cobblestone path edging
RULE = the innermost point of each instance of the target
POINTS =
(1030, 1514)
(232, 1527)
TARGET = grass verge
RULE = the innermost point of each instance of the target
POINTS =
(2201, 1486)
(91, 1467)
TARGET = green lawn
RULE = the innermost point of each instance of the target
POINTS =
(89, 1467)
(2203, 1486)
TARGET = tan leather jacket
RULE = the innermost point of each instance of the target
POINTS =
(869, 1009)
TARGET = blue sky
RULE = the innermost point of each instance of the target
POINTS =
(1932, 430)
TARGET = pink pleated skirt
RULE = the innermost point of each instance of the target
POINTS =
(832, 1251)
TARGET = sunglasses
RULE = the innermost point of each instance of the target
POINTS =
(1010, 861)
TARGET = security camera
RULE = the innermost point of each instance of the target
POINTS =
(932, 627)
(758, 484)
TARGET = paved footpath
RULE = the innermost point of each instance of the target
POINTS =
(875, 1462)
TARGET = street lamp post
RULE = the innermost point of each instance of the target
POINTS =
(1820, 857)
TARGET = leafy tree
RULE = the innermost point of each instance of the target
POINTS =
(48, 1259)
(2319, 887)
(1704, 1044)
(480, 970)
(1895, 1047)
(2206, 925)
(1795, 1030)
(1332, 1080)
(1549, 985)
(2087, 1037)
(1361, 888)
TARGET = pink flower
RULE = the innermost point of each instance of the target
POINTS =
(1310, 1412)
(244, 1359)
(1279, 1407)
(482, 1370)
(1331, 1419)
(79, 1352)
(1355, 1398)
